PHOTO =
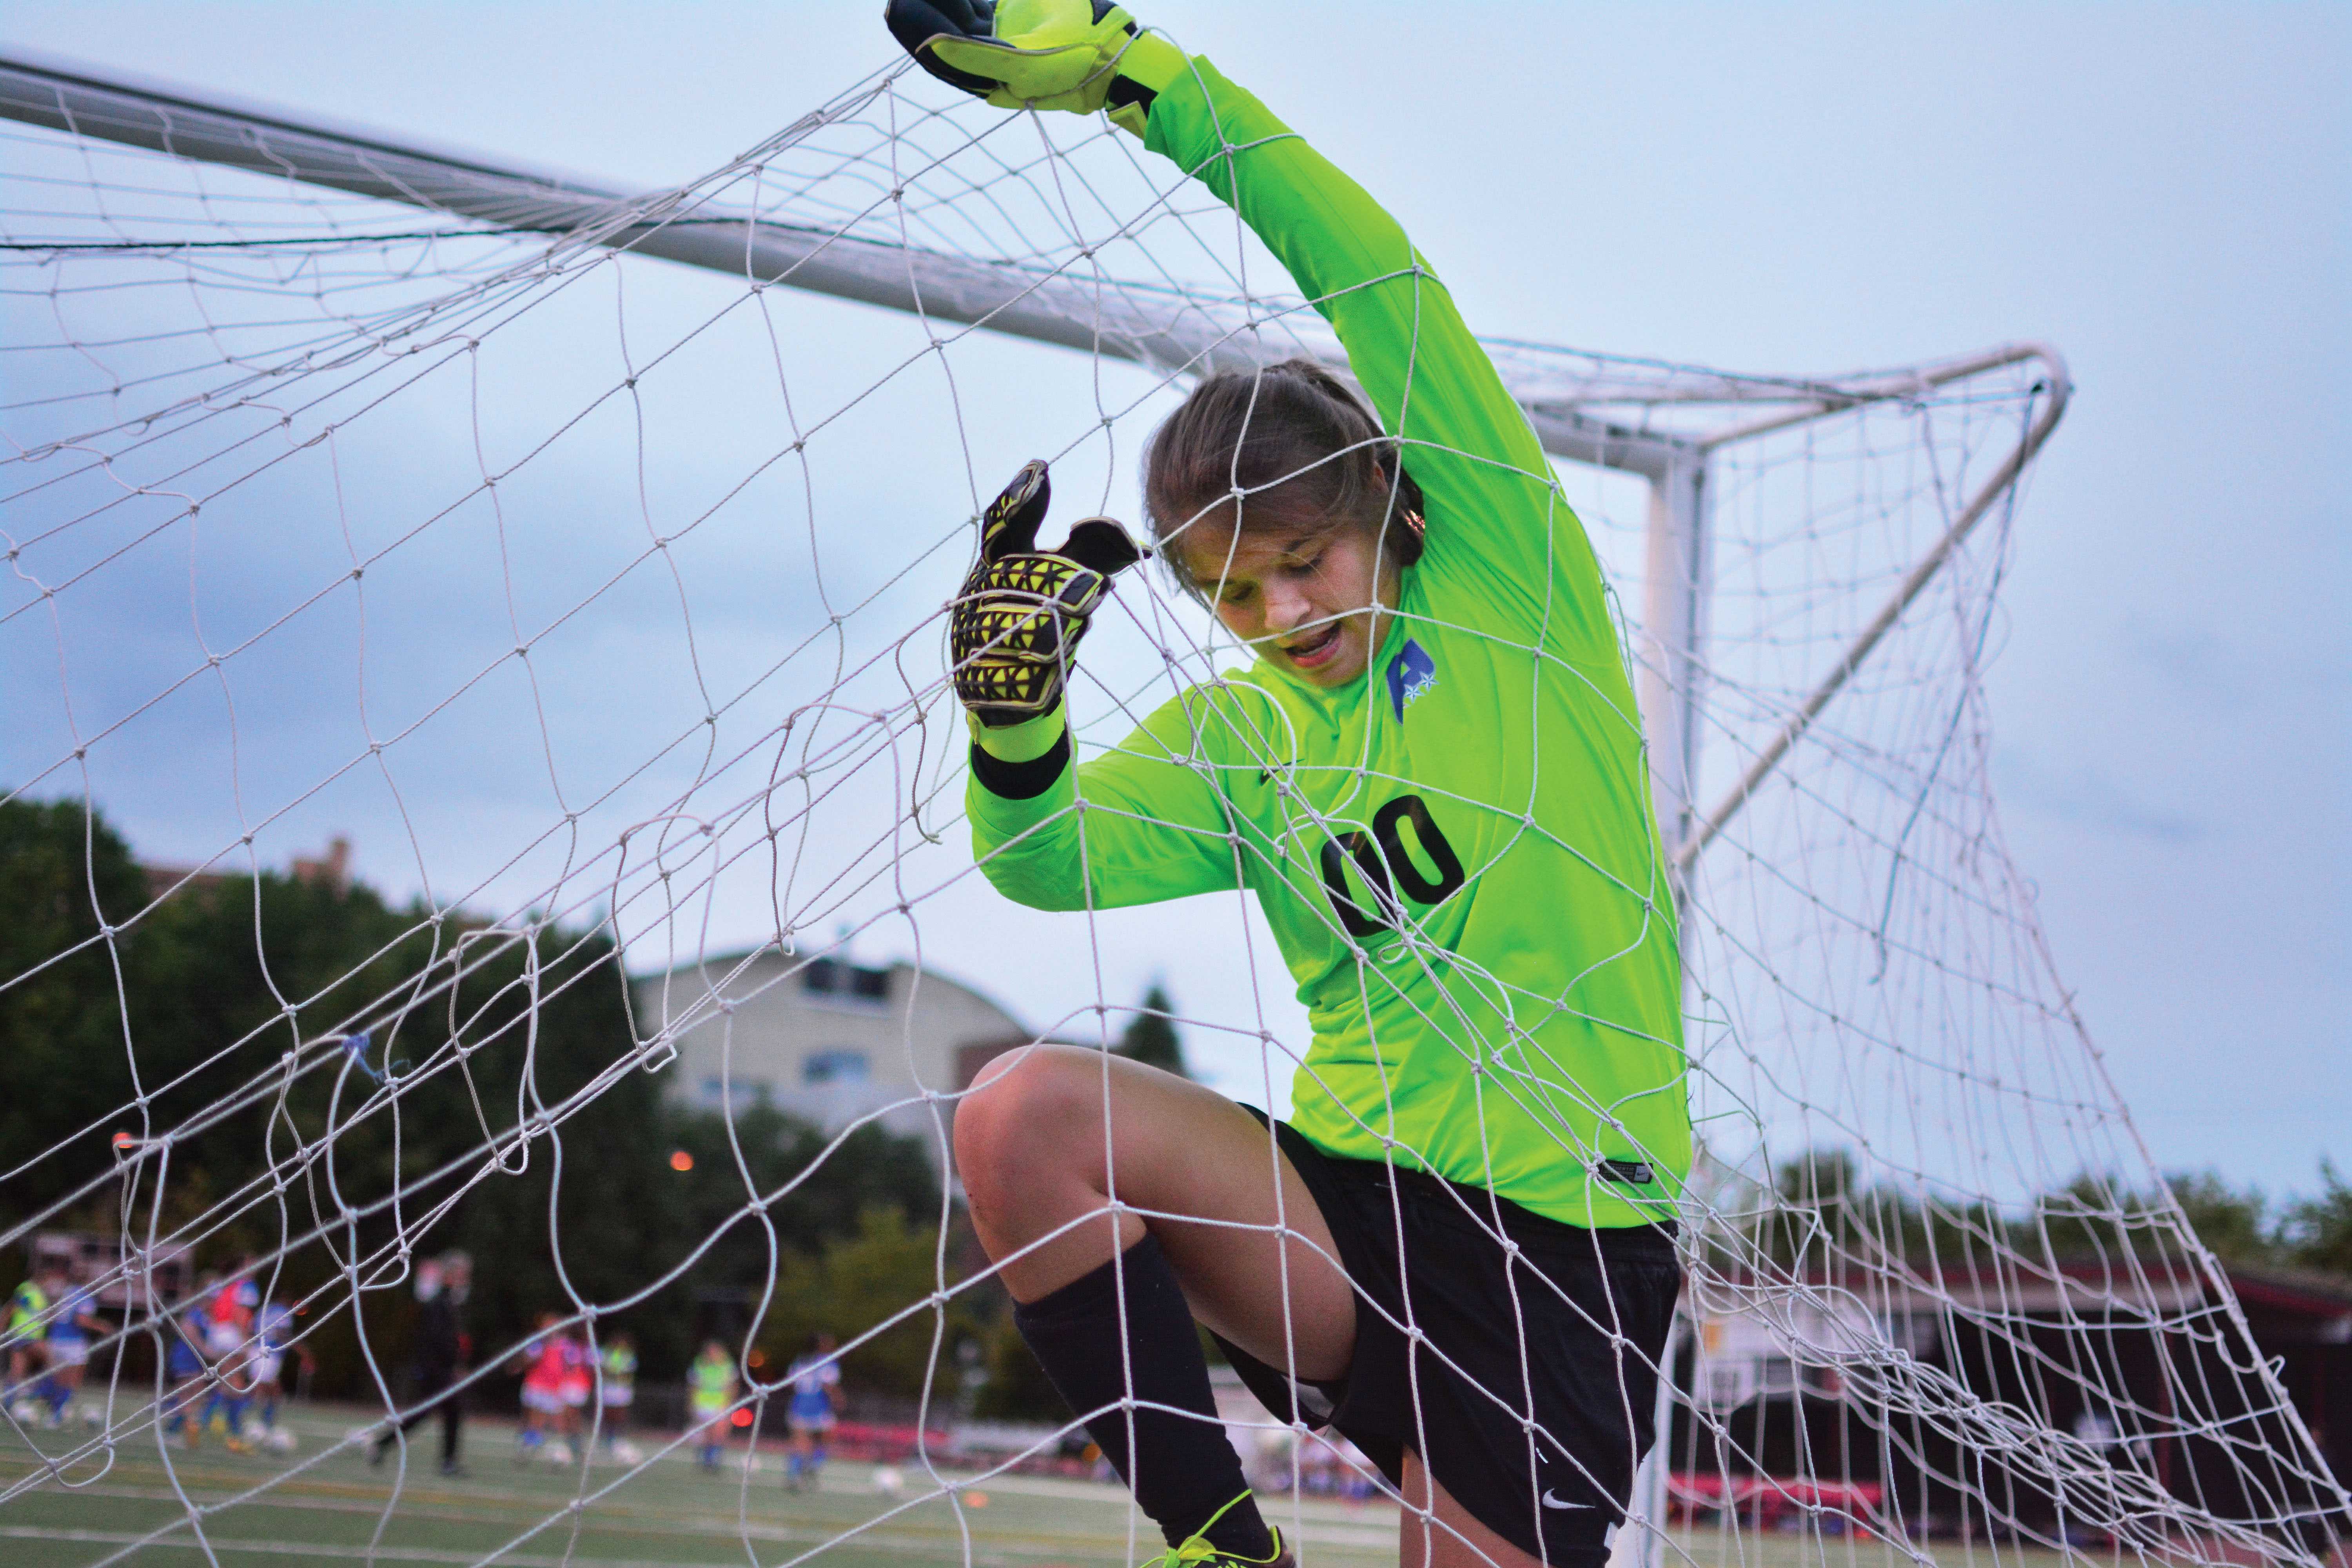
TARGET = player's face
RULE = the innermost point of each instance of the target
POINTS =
(1310, 601)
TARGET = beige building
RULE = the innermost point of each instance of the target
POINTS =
(821, 1038)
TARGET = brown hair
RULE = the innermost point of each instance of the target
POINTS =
(1303, 450)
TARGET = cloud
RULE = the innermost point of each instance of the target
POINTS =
(2086, 795)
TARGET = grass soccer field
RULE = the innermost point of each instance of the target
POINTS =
(339, 1509)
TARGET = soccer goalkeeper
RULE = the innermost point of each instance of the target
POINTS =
(1457, 1252)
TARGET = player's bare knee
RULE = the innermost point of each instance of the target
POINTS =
(1015, 1122)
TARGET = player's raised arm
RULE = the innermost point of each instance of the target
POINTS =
(1429, 781)
(1488, 486)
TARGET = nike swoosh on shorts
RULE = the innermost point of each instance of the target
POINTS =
(1550, 1501)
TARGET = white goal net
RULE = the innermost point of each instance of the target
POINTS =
(581, 554)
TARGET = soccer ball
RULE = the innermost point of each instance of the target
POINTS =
(888, 1481)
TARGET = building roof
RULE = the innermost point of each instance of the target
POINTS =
(720, 962)
(2074, 1288)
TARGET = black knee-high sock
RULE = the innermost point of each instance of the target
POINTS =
(1182, 1470)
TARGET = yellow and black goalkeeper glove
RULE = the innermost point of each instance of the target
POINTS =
(1078, 55)
(1015, 625)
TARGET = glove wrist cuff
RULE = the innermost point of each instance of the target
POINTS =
(1022, 743)
(1147, 66)
(1151, 62)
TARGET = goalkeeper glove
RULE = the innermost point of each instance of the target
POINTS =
(1078, 55)
(1016, 624)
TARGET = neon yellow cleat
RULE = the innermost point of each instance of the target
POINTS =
(1196, 1551)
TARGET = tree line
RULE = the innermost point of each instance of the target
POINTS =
(1822, 1212)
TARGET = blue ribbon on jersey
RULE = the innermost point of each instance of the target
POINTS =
(1411, 673)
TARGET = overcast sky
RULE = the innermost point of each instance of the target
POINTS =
(2164, 192)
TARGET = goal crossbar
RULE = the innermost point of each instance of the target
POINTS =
(1166, 328)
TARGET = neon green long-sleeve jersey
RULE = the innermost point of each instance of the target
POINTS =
(1456, 852)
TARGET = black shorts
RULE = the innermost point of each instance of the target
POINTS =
(1502, 1371)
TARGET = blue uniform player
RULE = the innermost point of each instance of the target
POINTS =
(184, 1370)
(71, 1332)
(815, 1383)
(273, 1343)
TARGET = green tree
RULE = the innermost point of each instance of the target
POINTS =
(213, 993)
(858, 1283)
(1815, 1221)
(2232, 1221)
(788, 1201)
(1017, 1388)
(2317, 1232)
(66, 1023)
(1150, 1037)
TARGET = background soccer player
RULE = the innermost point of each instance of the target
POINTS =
(439, 1356)
(228, 1317)
(545, 1361)
(815, 1379)
(27, 1338)
(184, 1367)
(1432, 777)
(71, 1330)
(616, 1383)
(274, 1341)
(709, 1391)
(574, 1385)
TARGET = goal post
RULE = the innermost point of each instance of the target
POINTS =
(2051, 390)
